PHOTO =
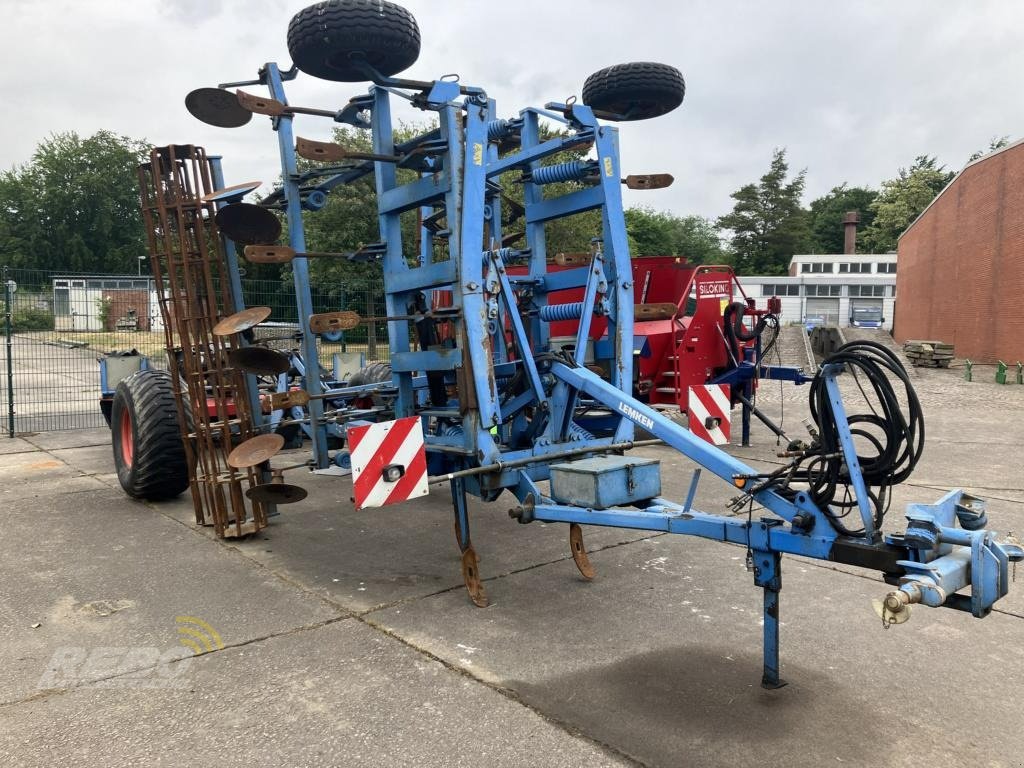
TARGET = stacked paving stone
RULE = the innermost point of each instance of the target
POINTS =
(928, 354)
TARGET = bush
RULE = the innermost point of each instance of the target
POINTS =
(32, 319)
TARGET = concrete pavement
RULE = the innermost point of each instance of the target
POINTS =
(348, 638)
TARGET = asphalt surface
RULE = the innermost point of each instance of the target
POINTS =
(346, 638)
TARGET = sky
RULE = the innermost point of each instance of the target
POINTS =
(853, 90)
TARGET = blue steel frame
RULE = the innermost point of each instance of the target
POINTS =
(502, 337)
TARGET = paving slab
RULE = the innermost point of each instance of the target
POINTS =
(71, 438)
(342, 694)
(14, 445)
(660, 658)
(91, 460)
(96, 569)
(37, 474)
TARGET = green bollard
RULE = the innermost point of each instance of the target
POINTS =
(967, 370)
(1020, 372)
(1000, 372)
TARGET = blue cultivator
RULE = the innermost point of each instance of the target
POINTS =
(500, 406)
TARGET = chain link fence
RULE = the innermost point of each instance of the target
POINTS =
(57, 325)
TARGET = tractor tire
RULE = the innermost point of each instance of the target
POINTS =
(374, 373)
(323, 37)
(149, 454)
(636, 91)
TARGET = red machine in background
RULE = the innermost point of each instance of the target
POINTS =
(693, 326)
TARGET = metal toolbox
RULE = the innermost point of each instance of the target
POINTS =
(606, 481)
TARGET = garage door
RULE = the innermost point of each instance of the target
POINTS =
(866, 313)
(826, 309)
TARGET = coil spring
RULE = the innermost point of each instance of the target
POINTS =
(451, 430)
(504, 254)
(571, 171)
(499, 129)
(552, 312)
(578, 433)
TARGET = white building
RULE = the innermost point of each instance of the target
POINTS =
(832, 289)
(77, 302)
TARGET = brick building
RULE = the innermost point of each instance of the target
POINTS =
(961, 274)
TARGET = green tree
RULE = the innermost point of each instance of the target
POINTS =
(657, 233)
(75, 205)
(902, 199)
(996, 142)
(767, 224)
(827, 235)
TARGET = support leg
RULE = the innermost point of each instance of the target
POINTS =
(470, 564)
(768, 575)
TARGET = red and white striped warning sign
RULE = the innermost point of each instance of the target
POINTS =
(389, 462)
(710, 412)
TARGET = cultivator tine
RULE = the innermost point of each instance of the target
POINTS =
(232, 194)
(329, 152)
(215, 106)
(248, 224)
(255, 451)
(579, 552)
(344, 320)
(241, 321)
(261, 105)
(471, 576)
(259, 361)
(649, 181)
(296, 397)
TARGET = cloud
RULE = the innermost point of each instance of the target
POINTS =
(852, 93)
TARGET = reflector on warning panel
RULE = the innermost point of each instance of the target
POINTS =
(710, 412)
(389, 462)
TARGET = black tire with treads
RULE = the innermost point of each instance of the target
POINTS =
(638, 90)
(323, 37)
(149, 455)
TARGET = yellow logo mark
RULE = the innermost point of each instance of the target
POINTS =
(205, 639)
(609, 170)
(478, 154)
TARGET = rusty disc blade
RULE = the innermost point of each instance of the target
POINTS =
(233, 193)
(215, 106)
(260, 360)
(241, 321)
(248, 224)
(255, 451)
(276, 493)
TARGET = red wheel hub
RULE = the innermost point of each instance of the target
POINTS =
(127, 441)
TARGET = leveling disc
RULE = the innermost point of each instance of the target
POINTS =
(215, 106)
(248, 224)
(232, 194)
(260, 361)
(255, 451)
(276, 493)
(241, 321)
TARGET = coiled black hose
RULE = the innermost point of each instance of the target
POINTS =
(891, 433)
(735, 330)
